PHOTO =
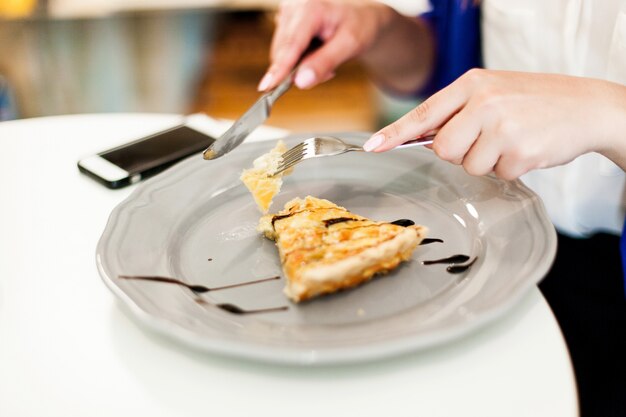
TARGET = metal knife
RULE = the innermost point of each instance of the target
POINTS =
(255, 116)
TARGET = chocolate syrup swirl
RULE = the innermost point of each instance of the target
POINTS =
(231, 308)
(407, 223)
(277, 217)
(330, 222)
(457, 269)
(428, 241)
(457, 263)
(280, 217)
(200, 289)
(403, 222)
(454, 259)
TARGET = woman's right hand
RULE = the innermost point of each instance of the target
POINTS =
(347, 28)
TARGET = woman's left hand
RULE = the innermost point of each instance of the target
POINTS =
(513, 122)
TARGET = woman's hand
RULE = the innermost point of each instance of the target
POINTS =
(347, 28)
(510, 122)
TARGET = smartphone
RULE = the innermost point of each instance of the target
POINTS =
(144, 157)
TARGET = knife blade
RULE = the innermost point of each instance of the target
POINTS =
(251, 119)
(255, 115)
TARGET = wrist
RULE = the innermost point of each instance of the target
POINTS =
(613, 140)
(405, 72)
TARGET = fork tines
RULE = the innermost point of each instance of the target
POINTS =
(292, 157)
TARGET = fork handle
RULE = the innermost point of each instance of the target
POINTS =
(424, 140)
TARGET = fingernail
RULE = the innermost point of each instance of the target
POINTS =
(374, 142)
(265, 82)
(305, 78)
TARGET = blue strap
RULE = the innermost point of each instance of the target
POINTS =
(456, 26)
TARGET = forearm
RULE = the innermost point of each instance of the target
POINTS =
(402, 57)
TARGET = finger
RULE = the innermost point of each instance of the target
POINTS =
(297, 26)
(292, 37)
(429, 115)
(287, 57)
(457, 135)
(328, 77)
(482, 156)
(282, 18)
(318, 65)
(463, 141)
(520, 156)
(307, 78)
(268, 80)
(510, 167)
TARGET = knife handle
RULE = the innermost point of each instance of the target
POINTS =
(314, 45)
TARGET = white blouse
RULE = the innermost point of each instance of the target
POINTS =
(575, 37)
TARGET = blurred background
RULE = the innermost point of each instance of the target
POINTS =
(168, 56)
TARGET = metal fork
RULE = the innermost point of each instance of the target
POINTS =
(330, 146)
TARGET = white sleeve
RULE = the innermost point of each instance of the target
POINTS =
(584, 197)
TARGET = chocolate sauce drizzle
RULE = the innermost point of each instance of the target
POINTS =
(454, 259)
(428, 241)
(403, 222)
(231, 308)
(407, 223)
(200, 289)
(280, 217)
(457, 269)
(457, 262)
(330, 222)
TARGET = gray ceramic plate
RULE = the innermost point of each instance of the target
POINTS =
(196, 222)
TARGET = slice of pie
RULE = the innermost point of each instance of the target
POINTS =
(258, 179)
(325, 248)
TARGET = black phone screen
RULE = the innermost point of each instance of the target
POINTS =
(158, 150)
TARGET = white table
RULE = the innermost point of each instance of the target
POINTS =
(67, 348)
